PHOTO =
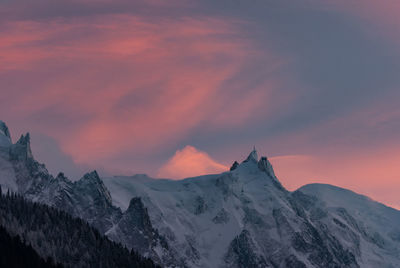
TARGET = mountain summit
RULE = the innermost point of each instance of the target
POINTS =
(253, 156)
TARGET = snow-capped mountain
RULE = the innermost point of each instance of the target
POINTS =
(245, 218)
(241, 218)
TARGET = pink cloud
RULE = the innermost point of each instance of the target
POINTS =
(190, 162)
(135, 85)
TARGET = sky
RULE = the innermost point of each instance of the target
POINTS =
(182, 88)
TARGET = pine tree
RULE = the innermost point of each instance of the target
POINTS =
(59, 238)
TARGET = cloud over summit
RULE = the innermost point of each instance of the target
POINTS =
(190, 162)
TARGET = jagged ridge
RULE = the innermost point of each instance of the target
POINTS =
(87, 198)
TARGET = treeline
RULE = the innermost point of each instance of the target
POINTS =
(57, 236)
(15, 254)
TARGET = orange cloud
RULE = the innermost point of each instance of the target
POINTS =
(129, 83)
(190, 162)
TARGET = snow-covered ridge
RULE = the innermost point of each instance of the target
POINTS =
(243, 217)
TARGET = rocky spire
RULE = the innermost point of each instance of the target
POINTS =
(92, 185)
(265, 165)
(5, 138)
(253, 156)
(138, 214)
(234, 166)
(22, 149)
(4, 129)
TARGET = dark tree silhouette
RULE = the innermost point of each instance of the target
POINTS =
(55, 235)
(15, 254)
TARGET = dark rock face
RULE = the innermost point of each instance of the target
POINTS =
(135, 230)
(265, 165)
(251, 216)
(221, 217)
(242, 253)
(22, 149)
(32, 177)
(293, 261)
(200, 205)
(139, 215)
(4, 130)
(234, 166)
(5, 137)
(94, 201)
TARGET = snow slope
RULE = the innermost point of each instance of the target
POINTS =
(378, 223)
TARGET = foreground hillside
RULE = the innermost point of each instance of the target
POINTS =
(57, 236)
(14, 253)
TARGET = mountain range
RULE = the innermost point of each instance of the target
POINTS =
(243, 217)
